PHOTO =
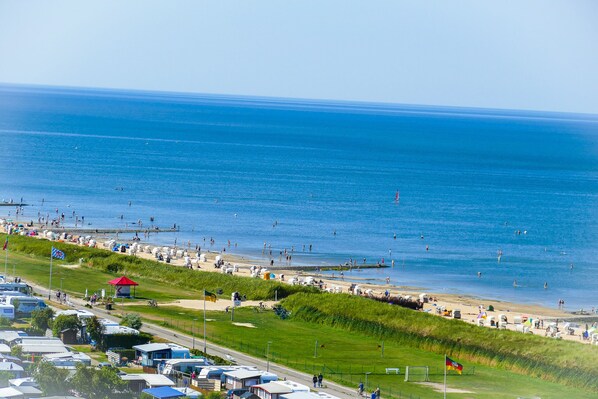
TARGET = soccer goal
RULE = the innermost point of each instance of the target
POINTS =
(417, 373)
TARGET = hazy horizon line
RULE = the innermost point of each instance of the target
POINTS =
(347, 104)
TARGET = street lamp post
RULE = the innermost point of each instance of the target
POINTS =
(268, 356)
(366, 379)
(61, 284)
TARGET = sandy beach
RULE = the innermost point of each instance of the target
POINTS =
(469, 306)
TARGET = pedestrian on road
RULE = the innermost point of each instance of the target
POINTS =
(320, 378)
(360, 388)
(377, 392)
(373, 396)
(315, 380)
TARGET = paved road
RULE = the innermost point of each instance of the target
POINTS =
(241, 358)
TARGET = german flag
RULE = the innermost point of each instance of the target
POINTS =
(453, 365)
(209, 296)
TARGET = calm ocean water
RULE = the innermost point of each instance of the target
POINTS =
(230, 168)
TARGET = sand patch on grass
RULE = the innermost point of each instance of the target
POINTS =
(249, 325)
(438, 387)
(73, 266)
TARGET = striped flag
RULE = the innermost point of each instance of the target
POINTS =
(56, 253)
(453, 365)
(209, 296)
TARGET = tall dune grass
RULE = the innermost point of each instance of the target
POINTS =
(181, 277)
(558, 361)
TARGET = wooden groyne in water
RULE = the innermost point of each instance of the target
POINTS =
(85, 230)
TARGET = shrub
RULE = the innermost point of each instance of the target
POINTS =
(132, 320)
(63, 322)
(5, 322)
(41, 318)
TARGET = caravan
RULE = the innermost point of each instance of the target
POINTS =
(25, 304)
(7, 311)
(184, 365)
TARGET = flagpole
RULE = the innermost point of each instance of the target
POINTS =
(6, 262)
(445, 376)
(50, 286)
(205, 346)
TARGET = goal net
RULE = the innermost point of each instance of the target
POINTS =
(417, 373)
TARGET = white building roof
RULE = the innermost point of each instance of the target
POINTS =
(274, 387)
(10, 366)
(159, 347)
(110, 329)
(77, 356)
(41, 341)
(308, 395)
(31, 392)
(191, 393)
(153, 380)
(294, 386)
(4, 348)
(43, 348)
(107, 322)
(242, 374)
(9, 336)
(10, 392)
(18, 382)
(151, 347)
(325, 395)
(80, 313)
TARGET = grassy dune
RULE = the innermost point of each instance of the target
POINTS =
(559, 361)
(417, 338)
(116, 264)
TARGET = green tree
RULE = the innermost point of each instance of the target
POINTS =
(63, 322)
(16, 351)
(16, 303)
(41, 318)
(215, 395)
(95, 383)
(132, 320)
(51, 379)
(5, 322)
(95, 329)
(4, 377)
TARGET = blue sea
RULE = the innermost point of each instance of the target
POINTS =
(295, 173)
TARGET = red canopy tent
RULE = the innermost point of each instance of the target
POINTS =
(123, 286)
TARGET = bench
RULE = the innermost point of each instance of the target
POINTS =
(393, 370)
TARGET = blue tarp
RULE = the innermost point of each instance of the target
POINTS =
(164, 392)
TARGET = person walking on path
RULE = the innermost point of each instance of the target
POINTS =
(360, 388)
(377, 393)
(315, 380)
(320, 378)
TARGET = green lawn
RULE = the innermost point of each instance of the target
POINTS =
(342, 355)
(346, 356)
(74, 280)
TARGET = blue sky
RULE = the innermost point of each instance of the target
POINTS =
(540, 55)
